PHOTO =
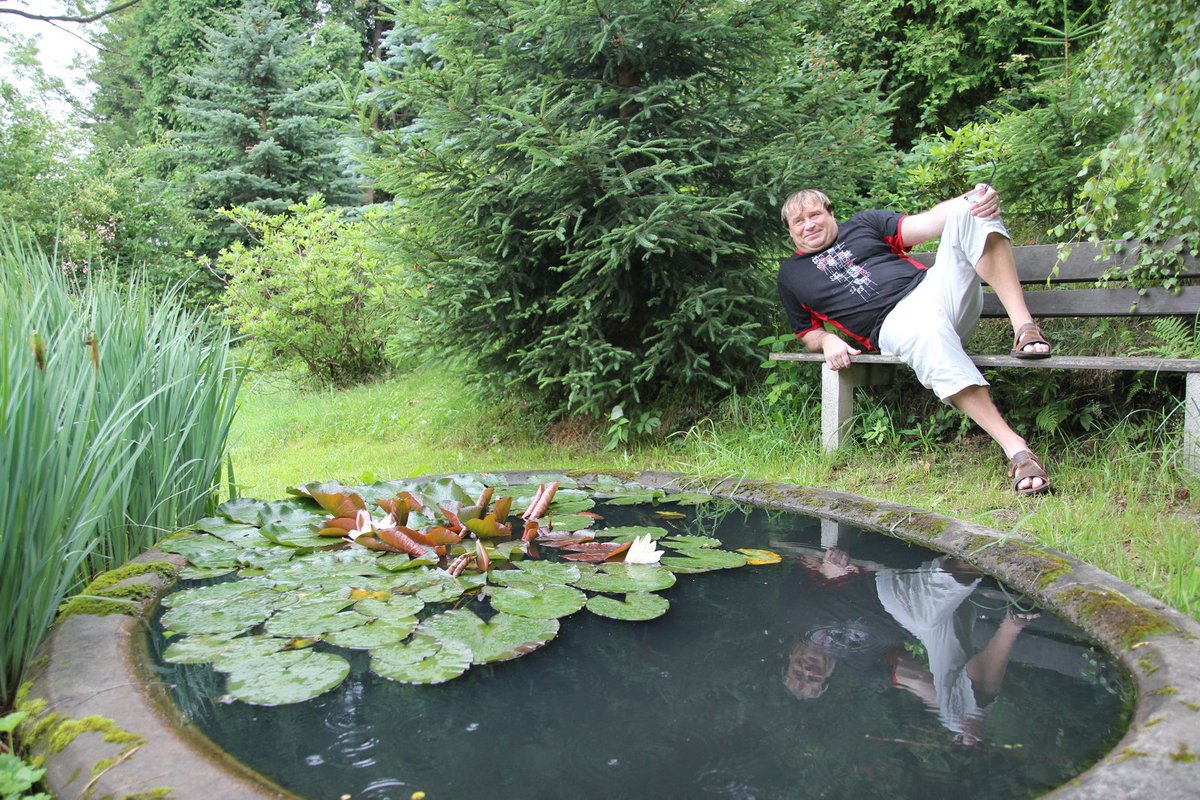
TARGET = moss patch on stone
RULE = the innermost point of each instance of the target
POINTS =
(1185, 755)
(108, 595)
(1124, 621)
(927, 526)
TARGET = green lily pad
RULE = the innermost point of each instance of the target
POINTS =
(566, 522)
(399, 607)
(691, 542)
(425, 660)
(560, 506)
(288, 677)
(219, 616)
(703, 560)
(547, 601)
(243, 509)
(627, 533)
(637, 606)
(621, 578)
(314, 619)
(233, 532)
(376, 633)
(501, 638)
(264, 558)
(635, 497)
(399, 562)
(203, 550)
(539, 572)
(211, 649)
(219, 591)
(203, 573)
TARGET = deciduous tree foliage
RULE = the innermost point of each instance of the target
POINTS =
(590, 187)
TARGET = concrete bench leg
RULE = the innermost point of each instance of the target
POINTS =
(837, 404)
(837, 397)
(1191, 424)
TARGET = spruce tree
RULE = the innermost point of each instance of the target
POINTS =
(592, 188)
(252, 133)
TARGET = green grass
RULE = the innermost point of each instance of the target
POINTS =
(1122, 508)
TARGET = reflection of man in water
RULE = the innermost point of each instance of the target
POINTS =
(849, 615)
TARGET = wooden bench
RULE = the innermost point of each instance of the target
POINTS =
(1068, 291)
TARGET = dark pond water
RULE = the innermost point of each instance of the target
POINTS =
(860, 667)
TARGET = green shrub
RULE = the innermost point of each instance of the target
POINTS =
(313, 291)
(115, 406)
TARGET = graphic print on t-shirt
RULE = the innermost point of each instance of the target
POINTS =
(839, 266)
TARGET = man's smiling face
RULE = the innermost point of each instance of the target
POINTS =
(812, 227)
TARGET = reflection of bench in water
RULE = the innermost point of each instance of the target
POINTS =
(1049, 642)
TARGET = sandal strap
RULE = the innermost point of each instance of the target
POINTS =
(1026, 465)
(1027, 334)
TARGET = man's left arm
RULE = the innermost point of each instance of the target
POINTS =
(918, 228)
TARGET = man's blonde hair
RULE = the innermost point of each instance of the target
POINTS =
(802, 199)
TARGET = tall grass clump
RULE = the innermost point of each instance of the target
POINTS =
(115, 405)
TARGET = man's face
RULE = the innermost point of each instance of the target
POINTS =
(812, 227)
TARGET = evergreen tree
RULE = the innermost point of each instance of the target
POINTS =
(589, 186)
(253, 134)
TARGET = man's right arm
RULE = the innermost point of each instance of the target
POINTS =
(836, 349)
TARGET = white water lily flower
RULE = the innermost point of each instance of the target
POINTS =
(364, 523)
(643, 551)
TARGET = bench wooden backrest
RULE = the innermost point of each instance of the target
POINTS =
(1044, 288)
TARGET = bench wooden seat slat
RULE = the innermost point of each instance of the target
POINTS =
(1112, 302)
(1120, 363)
(1036, 264)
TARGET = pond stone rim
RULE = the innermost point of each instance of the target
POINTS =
(89, 666)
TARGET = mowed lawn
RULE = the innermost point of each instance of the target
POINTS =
(1126, 510)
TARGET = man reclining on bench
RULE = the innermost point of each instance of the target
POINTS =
(856, 276)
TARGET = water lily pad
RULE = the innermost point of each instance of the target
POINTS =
(691, 542)
(399, 562)
(314, 619)
(210, 649)
(757, 558)
(398, 607)
(425, 660)
(501, 638)
(637, 606)
(219, 591)
(243, 509)
(203, 573)
(288, 677)
(622, 578)
(264, 558)
(539, 572)
(547, 601)
(219, 616)
(627, 533)
(376, 633)
(556, 539)
(566, 522)
(703, 560)
(203, 550)
(568, 505)
(334, 498)
(232, 532)
(634, 497)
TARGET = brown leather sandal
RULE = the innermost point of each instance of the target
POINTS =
(1026, 465)
(1028, 334)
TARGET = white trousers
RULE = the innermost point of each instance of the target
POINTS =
(929, 328)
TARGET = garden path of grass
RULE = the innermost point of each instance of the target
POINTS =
(1126, 511)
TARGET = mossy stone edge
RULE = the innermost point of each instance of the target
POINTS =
(88, 665)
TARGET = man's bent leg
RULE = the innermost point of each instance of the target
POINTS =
(998, 269)
(976, 403)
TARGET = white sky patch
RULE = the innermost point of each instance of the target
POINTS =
(60, 46)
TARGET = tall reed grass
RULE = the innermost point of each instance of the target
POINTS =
(115, 407)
